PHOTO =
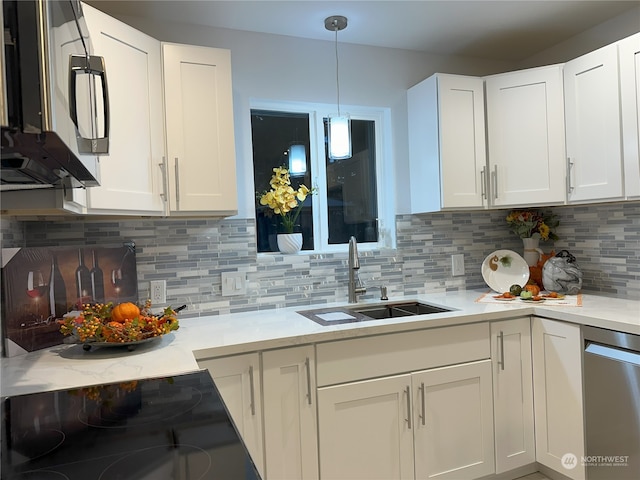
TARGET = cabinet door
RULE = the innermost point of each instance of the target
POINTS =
(447, 143)
(557, 386)
(365, 430)
(199, 121)
(592, 109)
(130, 176)
(525, 131)
(453, 418)
(629, 51)
(512, 394)
(238, 381)
(290, 426)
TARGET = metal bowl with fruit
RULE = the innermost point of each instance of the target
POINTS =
(124, 324)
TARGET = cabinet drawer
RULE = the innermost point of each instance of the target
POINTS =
(370, 357)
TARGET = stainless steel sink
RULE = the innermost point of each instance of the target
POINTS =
(363, 313)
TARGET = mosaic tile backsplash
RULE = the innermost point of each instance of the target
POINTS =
(191, 254)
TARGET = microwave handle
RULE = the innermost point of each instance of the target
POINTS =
(92, 65)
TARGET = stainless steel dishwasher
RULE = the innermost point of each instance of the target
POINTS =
(612, 404)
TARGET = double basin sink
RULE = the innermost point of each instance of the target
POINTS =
(362, 313)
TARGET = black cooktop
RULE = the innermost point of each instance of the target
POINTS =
(173, 428)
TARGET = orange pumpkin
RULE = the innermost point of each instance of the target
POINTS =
(534, 289)
(124, 311)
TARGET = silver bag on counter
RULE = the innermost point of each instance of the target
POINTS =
(562, 274)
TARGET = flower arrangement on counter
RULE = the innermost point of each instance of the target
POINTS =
(533, 224)
(123, 323)
(283, 199)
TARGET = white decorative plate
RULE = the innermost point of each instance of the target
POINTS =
(504, 268)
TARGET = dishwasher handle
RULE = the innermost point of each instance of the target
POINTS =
(613, 353)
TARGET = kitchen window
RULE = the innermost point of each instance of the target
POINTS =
(348, 200)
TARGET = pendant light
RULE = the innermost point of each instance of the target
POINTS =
(339, 126)
(297, 160)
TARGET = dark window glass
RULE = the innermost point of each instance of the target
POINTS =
(351, 188)
(281, 139)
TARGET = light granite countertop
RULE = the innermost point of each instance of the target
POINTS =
(69, 366)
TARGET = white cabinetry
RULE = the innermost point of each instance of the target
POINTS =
(387, 408)
(592, 110)
(512, 394)
(558, 400)
(436, 423)
(130, 177)
(238, 381)
(629, 52)
(447, 151)
(290, 422)
(525, 131)
(452, 422)
(199, 128)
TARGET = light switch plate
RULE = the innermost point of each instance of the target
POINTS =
(457, 265)
(234, 283)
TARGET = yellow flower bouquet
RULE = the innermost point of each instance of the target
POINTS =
(533, 224)
(283, 199)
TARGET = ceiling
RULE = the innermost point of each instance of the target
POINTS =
(501, 30)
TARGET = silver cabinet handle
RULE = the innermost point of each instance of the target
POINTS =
(407, 391)
(252, 405)
(177, 185)
(501, 361)
(308, 368)
(494, 176)
(569, 168)
(163, 169)
(423, 402)
(483, 182)
(94, 66)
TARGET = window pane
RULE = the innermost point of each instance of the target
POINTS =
(281, 139)
(351, 188)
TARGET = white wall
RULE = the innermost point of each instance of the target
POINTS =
(603, 34)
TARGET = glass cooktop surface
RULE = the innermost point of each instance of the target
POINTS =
(164, 428)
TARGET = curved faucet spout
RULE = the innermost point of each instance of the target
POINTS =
(355, 287)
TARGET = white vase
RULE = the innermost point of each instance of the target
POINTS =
(289, 242)
(532, 253)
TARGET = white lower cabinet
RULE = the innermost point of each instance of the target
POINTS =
(290, 422)
(512, 394)
(238, 381)
(558, 399)
(434, 423)
(453, 422)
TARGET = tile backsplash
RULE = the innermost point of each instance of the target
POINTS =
(191, 254)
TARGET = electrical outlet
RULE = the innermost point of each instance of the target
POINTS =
(457, 264)
(158, 292)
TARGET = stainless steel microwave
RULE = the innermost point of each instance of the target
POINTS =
(54, 97)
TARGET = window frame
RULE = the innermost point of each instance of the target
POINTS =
(385, 172)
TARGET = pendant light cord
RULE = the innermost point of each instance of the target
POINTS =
(337, 67)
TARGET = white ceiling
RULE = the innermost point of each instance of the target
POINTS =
(502, 30)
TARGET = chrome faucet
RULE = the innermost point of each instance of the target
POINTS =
(355, 286)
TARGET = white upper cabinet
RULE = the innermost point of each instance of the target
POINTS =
(199, 127)
(130, 176)
(629, 52)
(592, 109)
(447, 151)
(525, 131)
